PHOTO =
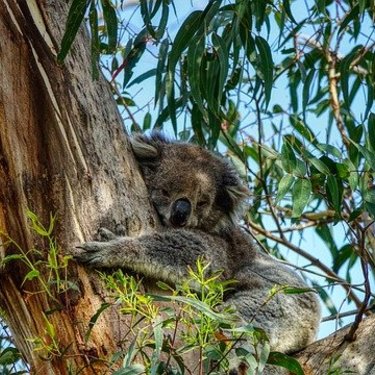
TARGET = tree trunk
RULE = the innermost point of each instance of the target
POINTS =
(335, 355)
(63, 150)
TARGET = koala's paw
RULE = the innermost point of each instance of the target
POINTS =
(94, 254)
(105, 235)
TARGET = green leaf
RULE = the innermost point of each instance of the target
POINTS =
(183, 37)
(134, 369)
(326, 298)
(371, 130)
(95, 42)
(288, 159)
(194, 60)
(147, 121)
(306, 90)
(368, 154)
(293, 290)
(265, 65)
(370, 207)
(133, 54)
(334, 151)
(319, 165)
(369, 196)
(301, 194)
(75, 17)
(146, 17)
(198, 305)
(31, 275)
(285, 184)
(283, 360)
(142, 77)
(163, 21)
(370, 96)
(324, 232)
(345, 74)
(221, 51)
(342, 256)
(158, 336)
(286, 5)
(94, 318)
(160, 68)
(11, 257)
(352, 15)
(333, 193)
(110, 20)
(8, 357)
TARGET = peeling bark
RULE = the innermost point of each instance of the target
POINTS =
(63, 150)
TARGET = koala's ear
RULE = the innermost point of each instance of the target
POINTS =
(238, 193)
(144, 149)
(148, 150)
(233, 194)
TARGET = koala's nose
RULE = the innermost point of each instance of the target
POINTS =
(180, 212)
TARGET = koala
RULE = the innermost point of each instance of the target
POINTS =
(198, 196)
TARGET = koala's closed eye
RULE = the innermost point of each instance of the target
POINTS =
(165, 193)
(203, 203)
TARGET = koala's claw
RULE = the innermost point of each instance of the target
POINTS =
(89, 253)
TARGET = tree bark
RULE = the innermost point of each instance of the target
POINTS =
(63, 150)
(335, 355)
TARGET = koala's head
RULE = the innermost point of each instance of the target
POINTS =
(189, 186)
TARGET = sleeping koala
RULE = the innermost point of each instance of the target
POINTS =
(197, 196)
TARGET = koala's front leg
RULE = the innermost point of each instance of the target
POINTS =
(166, 256)
(114, 252)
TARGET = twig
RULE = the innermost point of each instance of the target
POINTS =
(335, 102)
(316, 262)
(123, 102)
(350, 336)
(342, 315)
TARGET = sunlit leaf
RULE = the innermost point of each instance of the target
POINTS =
(285, 185)
(319, 165)
(301, 194)
(283, 360)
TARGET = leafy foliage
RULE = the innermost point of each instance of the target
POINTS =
(286, 90)
(194, 321)
(11, 362)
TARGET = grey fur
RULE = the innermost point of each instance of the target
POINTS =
(214, 192)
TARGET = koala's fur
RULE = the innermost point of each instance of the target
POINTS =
(197, 196)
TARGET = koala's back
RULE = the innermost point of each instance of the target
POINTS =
(290, 320)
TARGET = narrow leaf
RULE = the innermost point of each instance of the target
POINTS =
(301, 194)
(285, 184)
(283, 360)
(110, 19)
(333, 192)
(320, 166)
(288, 159)
(75, 17)
(265, 65)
